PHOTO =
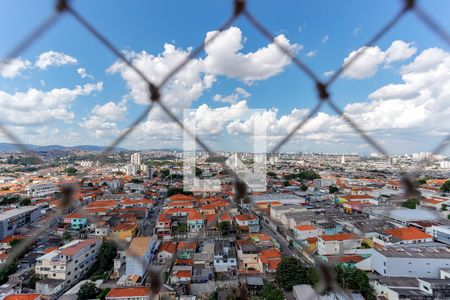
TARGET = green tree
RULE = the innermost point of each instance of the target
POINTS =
(214, 295)
(410, 203)
(7, 270)
(198, 171)
(333, 189)
(270, 292)
(421, 181)
(304, 187)
(70, 171)
(271, 174)
(224, 227)
(174, 191)
(88, 290)
(444, 207)
(25, 202)
(102, 294)
(354, 279)
(290, 272)
(286, 183)
(446, 187)
(67, 236)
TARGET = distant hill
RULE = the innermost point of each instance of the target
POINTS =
(7, 147)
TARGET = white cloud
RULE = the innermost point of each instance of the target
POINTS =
(83, 73)
(38, 107)
(103, 119)
(224, 57)
(367, 64)
(13, 67)
(328, 73)
(325, 39)
(357, 30)
(311, 53)
(415, 111)
(238, 93)
(53, 58)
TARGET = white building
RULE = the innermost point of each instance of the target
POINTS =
(41, 189)
(225, 259)
(276, 212)
(66, 265)
(12, 219)
(440, 233)
(445, 164)
(136, 158)
(341, 243)
(87, 163)
(139, 254)
(425, 261)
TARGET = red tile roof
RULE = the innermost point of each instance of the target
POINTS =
(181, 197)
(74, 249)
(305, 227)
(22, 297)
(339, 237)
(170, 247)
(408, 233)
(128, 292)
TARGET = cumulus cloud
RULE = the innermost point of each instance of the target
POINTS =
(414, 111)
(224, 57)
(83, 73)
(35, 107)
(53, 58)
(367, 64)
(238, 93)
(103, 119)
(13, 67)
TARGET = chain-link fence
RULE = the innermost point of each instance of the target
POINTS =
(64, 8)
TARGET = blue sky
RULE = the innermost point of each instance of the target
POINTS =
(322, 38)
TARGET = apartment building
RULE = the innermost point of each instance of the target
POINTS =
(43, 189)
(66, 265)
(12, 219)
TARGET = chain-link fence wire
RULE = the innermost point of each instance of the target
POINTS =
(63, 7)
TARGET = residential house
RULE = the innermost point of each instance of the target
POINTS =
(225, 259)
(247, 222)
(268, 260)
(302, 232)
(125, 231)
(338, 243)
(139, 255)
(166, 251)
(248, 256)
(77, 221)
